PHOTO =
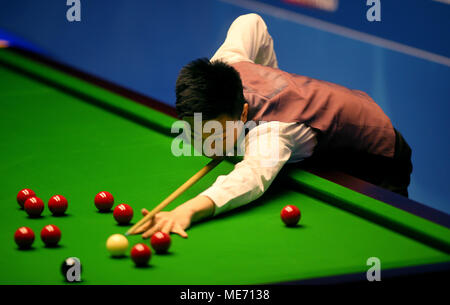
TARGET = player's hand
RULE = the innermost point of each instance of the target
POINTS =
(179, 219)
(175, 221)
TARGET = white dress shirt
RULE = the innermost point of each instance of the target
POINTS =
(267, 146)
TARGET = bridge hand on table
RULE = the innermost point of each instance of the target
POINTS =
(175, 221)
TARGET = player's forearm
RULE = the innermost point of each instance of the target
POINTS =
(247, 182)
(198, 208)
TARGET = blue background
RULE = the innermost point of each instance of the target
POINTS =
(142, 44)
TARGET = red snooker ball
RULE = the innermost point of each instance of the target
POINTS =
(23, 195)
(123, 213)
(104, 201)
(141, 254)
(24, 237)
(57, 205)
(34, 206)
(160, 242)
(50, 235)
(290, 215)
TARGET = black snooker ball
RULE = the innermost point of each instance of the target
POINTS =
(71, 269)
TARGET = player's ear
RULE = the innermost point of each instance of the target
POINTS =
(244, 113)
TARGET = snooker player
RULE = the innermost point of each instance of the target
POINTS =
(316, 121)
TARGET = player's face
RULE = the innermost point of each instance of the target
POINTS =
(223, 135)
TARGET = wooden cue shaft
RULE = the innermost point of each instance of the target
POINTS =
(206, 169)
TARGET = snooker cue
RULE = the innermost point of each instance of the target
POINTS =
(206, 169)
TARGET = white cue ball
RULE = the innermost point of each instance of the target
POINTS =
(117, 245)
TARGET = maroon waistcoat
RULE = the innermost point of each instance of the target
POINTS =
(346, 119)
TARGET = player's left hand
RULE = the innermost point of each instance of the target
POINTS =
(175, 221)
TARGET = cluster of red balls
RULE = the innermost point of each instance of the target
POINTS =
(141, 253)
(50, 235)
(123, 213)
(58, 204)
(34, 206)
(104, 201)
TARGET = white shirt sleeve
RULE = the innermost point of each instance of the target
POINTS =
(267, 148)
(248, 40)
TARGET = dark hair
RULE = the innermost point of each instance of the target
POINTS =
(212, 88)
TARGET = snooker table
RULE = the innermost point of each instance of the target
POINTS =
(66, 132)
